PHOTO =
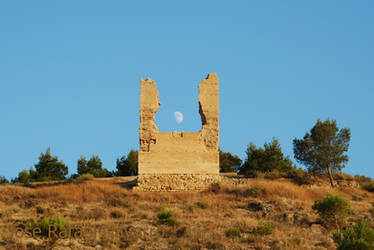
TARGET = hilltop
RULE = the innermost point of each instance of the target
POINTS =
(109, 214)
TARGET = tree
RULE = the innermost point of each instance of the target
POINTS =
(93, 166)
(265, 159)
(50, 168)
(3, 180)
(24, 177)
(322, 150)
(228, 162)
(128, 166)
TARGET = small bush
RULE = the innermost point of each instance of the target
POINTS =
(360, 237)
(272, 175)
(190, 207)
(201, 204)
(96, 213)
(356, 197)
(57, 224)
(115, 214)
(264, 228)
(233, 232)
(369, 186)
(84, 177)
(255, 191)
(165, 217)
(371, 210)
(215, 187)
(333, 211)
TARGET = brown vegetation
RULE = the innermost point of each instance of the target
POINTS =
(257, 214)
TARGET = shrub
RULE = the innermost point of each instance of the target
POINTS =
(233, 232)
(215, 187)
(116, 214)
(333, 211)
(264, 228)
(255, 191)
(165, 217)
(371, 210)
(96, 213)
(85, 177)
(369, 186)
(57, 224)
(360, 237)
(201, 204)
(190, 207)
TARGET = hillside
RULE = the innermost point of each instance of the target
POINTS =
(106, 214)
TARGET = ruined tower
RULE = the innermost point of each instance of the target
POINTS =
(179, 160)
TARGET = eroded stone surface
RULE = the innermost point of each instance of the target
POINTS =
(149, 104)
(209, 111)
(175, 155)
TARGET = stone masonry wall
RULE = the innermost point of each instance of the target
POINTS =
(179, 160)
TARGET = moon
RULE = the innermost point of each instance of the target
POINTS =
(178, 116)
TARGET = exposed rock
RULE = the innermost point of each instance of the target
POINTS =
(265, 207)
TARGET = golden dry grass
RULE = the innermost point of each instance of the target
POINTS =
(106, 206)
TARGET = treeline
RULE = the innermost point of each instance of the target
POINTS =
(50, 168)
(322, 150)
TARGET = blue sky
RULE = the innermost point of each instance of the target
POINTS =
(70, 71)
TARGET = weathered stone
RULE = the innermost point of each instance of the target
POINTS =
(179, 160)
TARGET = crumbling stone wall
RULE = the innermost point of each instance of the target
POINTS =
(179, 160)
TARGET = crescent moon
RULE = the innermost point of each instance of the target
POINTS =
(178, 116)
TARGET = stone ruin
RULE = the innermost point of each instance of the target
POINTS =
(179, 160)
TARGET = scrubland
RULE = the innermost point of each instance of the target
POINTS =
(107, 214)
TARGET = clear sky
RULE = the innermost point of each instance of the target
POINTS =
(70, 74)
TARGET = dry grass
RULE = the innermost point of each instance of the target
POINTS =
(106, 208)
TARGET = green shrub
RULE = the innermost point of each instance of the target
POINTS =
(264, 228)
(333, 211)
(233, 232)
(360, 237)
(165, 217)
(57, 224)
(254, 191)
(85, 177)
